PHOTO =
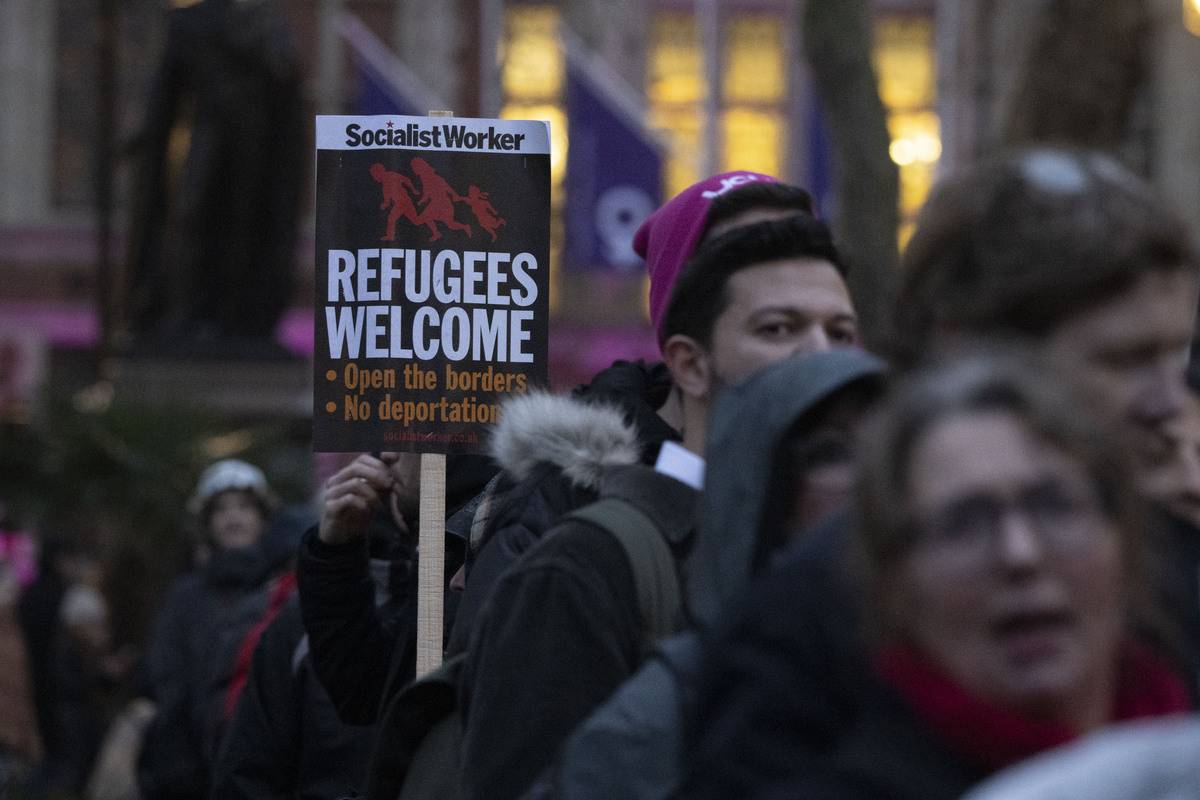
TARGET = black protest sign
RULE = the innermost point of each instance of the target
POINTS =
(432, 278)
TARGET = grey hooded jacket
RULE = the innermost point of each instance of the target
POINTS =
(632, 746)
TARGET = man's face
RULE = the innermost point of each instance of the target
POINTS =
(776, 309)
(1131, 351)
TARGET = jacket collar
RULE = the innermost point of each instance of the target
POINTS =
(670, 504)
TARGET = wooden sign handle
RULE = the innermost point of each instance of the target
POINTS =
(431, 552)
(431, 562)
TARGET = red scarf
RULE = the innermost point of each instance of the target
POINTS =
(994, 737)
(276, 600)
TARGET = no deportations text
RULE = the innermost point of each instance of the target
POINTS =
(406, 412)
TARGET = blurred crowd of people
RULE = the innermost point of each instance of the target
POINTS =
(774, 565)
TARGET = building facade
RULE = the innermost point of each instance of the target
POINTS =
(713, 84)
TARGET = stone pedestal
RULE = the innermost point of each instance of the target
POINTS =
(277, 387)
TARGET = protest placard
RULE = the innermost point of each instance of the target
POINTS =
(431, 279)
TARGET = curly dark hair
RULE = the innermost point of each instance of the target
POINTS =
(700, 295)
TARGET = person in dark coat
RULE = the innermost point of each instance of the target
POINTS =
(360, 652)
(540, 488)
(1175, 482)
(1062, 251)
(562, 628)
(541, 478)
(233, 503)
(92, 680)
(285, 739)
(38, 614)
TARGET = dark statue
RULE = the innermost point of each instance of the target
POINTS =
(212, 246)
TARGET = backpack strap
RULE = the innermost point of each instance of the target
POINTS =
(655, 576)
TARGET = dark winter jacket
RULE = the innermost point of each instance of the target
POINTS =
(363, 654)
(888, 755)
(38, 613)
(632, 746)
(89, 699)
(285, 739)
(550, 461)
(562, 628)
(357, 649)
(923, 736)
(785, 673)
(180, 665)
(1174, 549)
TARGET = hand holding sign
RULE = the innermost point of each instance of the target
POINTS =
(418, 344)
(355, 493)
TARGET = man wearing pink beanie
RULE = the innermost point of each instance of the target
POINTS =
(669, 236)
(742, 274)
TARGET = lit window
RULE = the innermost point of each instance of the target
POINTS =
(904, 63)
(1191, 16)
(916, 147)
(533, 60)
(677, 92)
(533, 76)
(676, 63)
(753, 94)
(753, 90)
(753, 69)
(682, 126)
(751, 140)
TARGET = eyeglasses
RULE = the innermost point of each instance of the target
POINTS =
(1066, 519)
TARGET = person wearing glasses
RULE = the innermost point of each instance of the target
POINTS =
(998, 542)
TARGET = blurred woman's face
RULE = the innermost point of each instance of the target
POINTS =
(1015, 584)
(236, 520)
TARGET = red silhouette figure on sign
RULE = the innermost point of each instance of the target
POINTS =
(481, 205)
(396, 188)
(440, 197)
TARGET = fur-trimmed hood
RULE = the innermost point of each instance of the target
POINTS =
(552, 451)
(580, 438)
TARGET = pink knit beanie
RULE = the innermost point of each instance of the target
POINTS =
(668, 236)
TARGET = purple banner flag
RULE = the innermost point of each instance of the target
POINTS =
(614, 166)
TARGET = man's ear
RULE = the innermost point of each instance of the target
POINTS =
(689, 364)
